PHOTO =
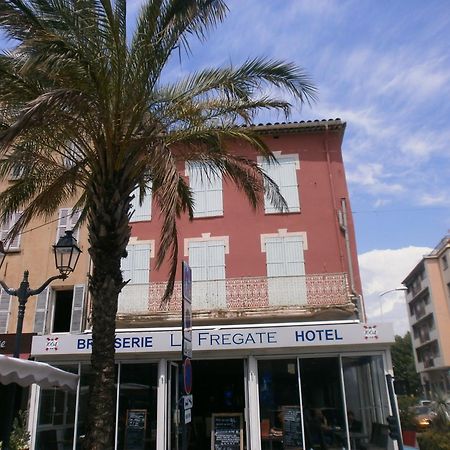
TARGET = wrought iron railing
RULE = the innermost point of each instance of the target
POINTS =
(316, 290)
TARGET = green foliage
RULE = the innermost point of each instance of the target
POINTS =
(406, 415)
(20, 437)
(403, 362)
(442, 420)
(433, 440)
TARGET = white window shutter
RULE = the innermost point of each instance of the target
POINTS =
(284, 174)
(144, 211)
(136, 266)
(141, 264)
(77, 308)
(67, 221)
(198, 260)
(295, 260)
(216, 260)
(6, 227)
(40, 316)
(275, 257)
(207, 189)
(5, 305)
(288, 183)
(285, 258)
(207, 262)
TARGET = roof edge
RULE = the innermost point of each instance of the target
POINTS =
(298, 127)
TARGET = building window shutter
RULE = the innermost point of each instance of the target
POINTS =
(144, 211)
(5, 304)
(285, 258)
(207, 261)
(40, 316)
(77, 308)
(136, 268)
(207, 190)
(67, 221)
(6, 227)
(285, 176)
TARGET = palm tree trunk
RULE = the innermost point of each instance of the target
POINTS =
(109, 232)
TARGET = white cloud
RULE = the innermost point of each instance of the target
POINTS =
(371, 176)
(434, 200)
(382, 270)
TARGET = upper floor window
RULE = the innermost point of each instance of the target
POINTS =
(285, 258)
(134, 297)
(59, 311)
(67, 220)
(142, 211)
(207, 261)
(206, 187)
(6, 228)
(444, 262)
(136, 266)
(284, 174)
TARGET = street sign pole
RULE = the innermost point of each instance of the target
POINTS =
(186, 350)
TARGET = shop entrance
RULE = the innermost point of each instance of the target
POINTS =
(218, 388)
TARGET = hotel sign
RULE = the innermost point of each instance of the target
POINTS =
(245, 338)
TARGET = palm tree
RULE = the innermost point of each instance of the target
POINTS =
(88, 117)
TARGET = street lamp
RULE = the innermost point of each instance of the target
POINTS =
(66, 253)
(400, 288)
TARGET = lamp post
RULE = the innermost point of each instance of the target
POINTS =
(400, 288)
(66, 253)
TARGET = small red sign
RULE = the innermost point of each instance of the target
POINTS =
(187, 376)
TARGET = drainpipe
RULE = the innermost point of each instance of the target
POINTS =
(343, 223)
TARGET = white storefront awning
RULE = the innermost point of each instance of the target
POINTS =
(25, 373)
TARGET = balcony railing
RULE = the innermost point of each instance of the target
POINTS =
(317, 290)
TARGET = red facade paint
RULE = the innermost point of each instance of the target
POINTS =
(322, 186)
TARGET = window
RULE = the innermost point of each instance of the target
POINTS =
(59, 311)
(136, 268)
(207, 190)
(285, 258)
(444, 262)
(207, 261)
(6, 228)
(144, 211)
(67, 220)
(5, 303)
(285, 175)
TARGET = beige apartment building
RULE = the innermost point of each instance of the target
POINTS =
(428, 299)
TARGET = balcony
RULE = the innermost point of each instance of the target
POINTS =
(249, 293)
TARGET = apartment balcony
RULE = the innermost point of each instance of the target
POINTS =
(258, 294)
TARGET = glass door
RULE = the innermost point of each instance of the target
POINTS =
(173, 396)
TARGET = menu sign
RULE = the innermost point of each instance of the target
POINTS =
(135, 431)
(227, 432)
(292, 428)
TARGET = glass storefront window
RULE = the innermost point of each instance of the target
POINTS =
(279, 404)
(366, 401)
(324, 411)
(137, 413)
(55, 424)
(339, 406)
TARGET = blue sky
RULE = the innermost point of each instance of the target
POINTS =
(384, 68)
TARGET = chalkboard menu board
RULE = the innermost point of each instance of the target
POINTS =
(292, 428)
(227, 432)
(135, 431)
